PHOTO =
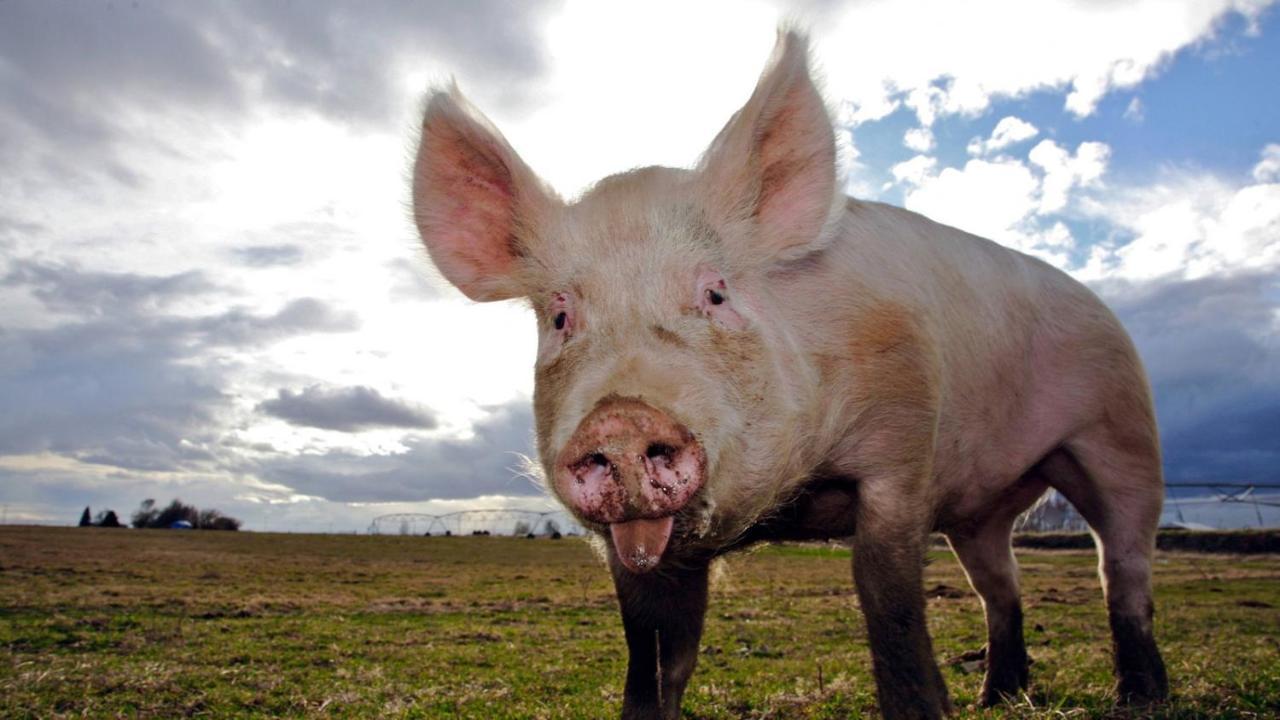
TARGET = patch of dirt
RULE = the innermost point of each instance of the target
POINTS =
(949, 592)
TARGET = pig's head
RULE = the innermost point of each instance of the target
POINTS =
(670, 395)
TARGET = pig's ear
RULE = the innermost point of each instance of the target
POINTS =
(774, 163)
(476, 204)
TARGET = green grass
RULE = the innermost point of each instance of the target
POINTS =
(104, 623)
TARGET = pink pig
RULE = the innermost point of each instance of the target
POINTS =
(739, 353)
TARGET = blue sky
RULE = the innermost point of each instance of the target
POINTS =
(210, 287)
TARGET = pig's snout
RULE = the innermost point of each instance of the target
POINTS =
(631, 466)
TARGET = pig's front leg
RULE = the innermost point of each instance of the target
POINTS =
(888, 570)
(662, 614)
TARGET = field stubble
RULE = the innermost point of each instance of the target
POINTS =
(106, 623)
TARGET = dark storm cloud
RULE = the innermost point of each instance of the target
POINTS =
(126, 382)
(262, 256)
(145, 303)
(84, 85)
(64, 287)
(240, 326)
(487, 463)
(1212, 351)
(347, 409)
(336, 56)
(69, 67)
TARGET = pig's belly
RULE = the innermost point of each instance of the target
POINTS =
(988, 484)
(825, 508)
(995, 477)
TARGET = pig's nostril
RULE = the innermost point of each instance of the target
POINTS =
(592, 461)
(660, 452)
(592, 464)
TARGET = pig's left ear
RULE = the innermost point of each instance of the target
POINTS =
(478, 207)
(774, 164)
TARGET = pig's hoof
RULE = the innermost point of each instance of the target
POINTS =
(1142, 689)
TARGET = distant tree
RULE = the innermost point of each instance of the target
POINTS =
(145, 515)
(212, 519)
(86, 518)
(522, 528)
(173, 512)
(222, 522)
(206, 518)
(107, 519)
(149, 516)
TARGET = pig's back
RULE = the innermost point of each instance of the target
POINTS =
(1021, 350)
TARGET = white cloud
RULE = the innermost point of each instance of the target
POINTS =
(1134, 112)
(1198, 228)
(968, 53)
(986, 197)
(1186, 226)
(919, 139)
(1009, 131)
(856, 112)
(1007, 199)
(1268, 168)
(915, 170)
(1189, 226)
(604, 81)
(1064, 170)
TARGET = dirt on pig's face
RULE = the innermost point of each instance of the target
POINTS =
(643, 300)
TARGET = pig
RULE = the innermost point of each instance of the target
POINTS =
(738, 353)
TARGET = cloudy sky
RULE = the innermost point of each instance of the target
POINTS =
(210, 287)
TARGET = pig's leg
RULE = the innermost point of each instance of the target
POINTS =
(987, 557)
(662, 613)
(888, 571)
(1114, 479)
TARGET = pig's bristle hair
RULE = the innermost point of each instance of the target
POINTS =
(531, 470)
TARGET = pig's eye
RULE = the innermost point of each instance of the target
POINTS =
(713, 301)
(561, 311)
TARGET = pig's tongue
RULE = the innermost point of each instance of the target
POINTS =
(640, 543)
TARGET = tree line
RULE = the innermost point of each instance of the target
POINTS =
(150, 515)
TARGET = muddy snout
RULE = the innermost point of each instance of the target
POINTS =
(632, 467)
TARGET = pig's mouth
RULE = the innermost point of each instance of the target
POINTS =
(633, 468)
(640, 543)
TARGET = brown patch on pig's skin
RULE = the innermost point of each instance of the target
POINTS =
(550, 388)
(668, 336)
(890, 377)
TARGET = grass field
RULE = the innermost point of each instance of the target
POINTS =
(105, 623)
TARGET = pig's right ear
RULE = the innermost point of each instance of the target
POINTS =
(773, 166)
(476, 204)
